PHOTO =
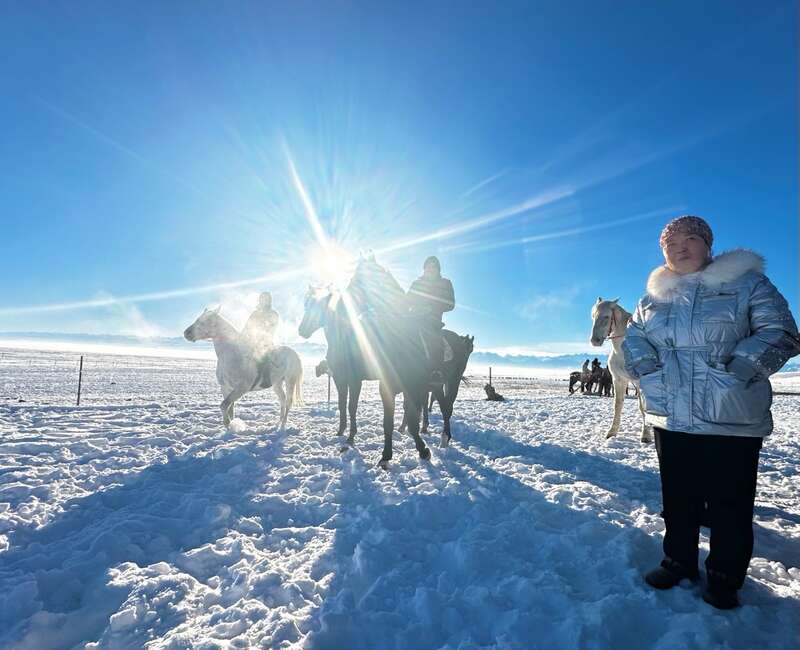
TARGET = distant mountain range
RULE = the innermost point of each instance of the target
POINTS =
(573, 361)
(174, 345)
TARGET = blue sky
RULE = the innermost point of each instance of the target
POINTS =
(537, 148)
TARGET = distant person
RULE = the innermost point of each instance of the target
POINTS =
(429, 297)
(703, 342)
(595, 365)
(259, 331)
(585, 366)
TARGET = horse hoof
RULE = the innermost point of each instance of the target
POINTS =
(425, 454)
(610, 434)
(445, 441)
(383, 464)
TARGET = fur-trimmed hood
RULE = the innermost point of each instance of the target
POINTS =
(725, 267)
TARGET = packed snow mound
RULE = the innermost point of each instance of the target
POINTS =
(138, 520)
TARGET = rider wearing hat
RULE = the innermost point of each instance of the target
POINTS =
(429, 297)
(259, 331)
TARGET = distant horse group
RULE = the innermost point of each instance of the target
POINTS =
(598, 381)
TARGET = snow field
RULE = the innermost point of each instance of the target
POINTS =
(136, 520)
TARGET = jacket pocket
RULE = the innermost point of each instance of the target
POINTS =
(654, 393)
(729, 400)
(718, 306)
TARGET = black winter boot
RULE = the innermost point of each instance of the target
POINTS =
(669, 574)
(718, 592)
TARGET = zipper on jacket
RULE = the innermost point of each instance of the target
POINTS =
(691, 355)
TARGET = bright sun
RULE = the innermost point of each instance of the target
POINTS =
(331, 264)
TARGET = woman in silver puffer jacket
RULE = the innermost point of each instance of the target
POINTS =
(703, 342)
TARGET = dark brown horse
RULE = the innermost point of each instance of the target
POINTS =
(389, 350)
(446, 394)
(606, 385)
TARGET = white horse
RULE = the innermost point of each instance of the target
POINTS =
(610, 321)
(238, 370)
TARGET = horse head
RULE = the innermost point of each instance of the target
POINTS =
(205, 327)
(604, 320)
(315, 311)
(470, 344)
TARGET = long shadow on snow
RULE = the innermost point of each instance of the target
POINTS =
(163, 510)
(489, 559)
(628, 482)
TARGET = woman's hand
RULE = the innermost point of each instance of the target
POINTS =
(645, 367)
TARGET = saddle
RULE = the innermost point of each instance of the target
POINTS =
(446, 347)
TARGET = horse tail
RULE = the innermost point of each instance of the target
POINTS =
(297, 377)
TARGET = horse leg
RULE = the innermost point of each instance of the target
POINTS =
(341, 391)
(412, 404)
(387, 398)
(619, 398)
(446, 404)
(289, 400)
(227, 406)
(278, 388)
(355, 392)
(425, 411)
(647, 431)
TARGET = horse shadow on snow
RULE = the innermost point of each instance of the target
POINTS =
(478, 556)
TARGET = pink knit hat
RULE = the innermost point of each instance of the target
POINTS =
(688, 225)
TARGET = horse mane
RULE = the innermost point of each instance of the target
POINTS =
(614, 306)
(231, 330)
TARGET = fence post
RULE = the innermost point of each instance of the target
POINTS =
(80, 377)
(329, 392)
(490, 375)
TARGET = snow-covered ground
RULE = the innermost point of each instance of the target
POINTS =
(135, 520)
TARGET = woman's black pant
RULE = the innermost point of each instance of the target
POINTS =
(717, 472)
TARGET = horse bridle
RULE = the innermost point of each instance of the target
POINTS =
(611, 327)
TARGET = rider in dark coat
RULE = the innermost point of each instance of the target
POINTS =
(259, 334)
(374, 289)
(429, 297)
(259, 331)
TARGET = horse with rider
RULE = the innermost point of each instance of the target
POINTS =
(377, 331)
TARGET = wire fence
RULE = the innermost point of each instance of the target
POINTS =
(54, 377)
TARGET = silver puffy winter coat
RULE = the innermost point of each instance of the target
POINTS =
(704, 344)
